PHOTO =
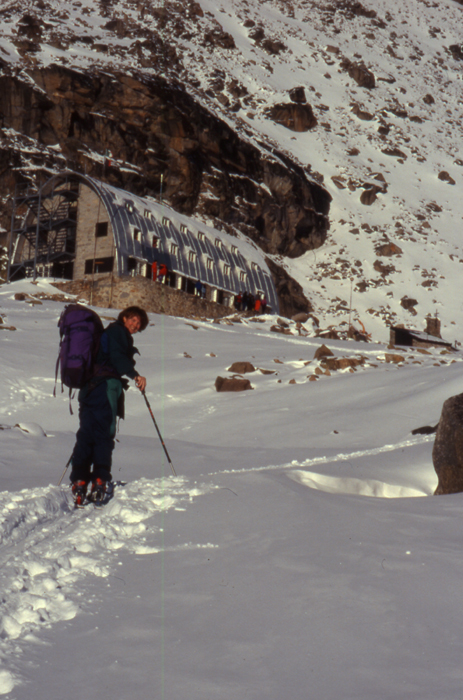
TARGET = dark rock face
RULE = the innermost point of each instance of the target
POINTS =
(155, 129)
(447, 454)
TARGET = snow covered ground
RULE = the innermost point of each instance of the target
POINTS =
(295, 555)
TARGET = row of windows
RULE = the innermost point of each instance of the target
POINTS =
(101, 230)
(184, 229)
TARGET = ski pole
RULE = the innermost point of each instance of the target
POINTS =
(65, 469)
(160, 436)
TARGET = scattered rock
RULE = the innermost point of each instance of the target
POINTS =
(382, 268)
(232, 384)
(409, 305)
(445, 177)
(395, 152)
(273, 46)
(360, 73)
(362, 114)
(329, 334)
(333, 363)
(279, 329)
(369, 196)
(219, 38)
(297, 95)
(457, 51)
(388, 249)
(300, 318)
(322, 351)
(447, 454)
(241, 368)
(425, 430)
(267, 371)
(392, 357)
(294, 116)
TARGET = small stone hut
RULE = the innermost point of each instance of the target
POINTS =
(431, 337)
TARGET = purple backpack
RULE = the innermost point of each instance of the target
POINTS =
(80, 331)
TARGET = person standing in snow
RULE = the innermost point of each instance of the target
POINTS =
(101, 401)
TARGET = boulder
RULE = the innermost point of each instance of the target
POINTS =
(294, 116)
(241, 367)
(447, 453)
(232, 384)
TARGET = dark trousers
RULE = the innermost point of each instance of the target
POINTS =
(95, 437)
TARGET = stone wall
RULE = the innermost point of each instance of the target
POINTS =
(119, 292)
(90, 211)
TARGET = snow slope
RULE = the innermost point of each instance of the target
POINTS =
(296, 554)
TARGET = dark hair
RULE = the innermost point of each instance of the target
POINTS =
(132, 311)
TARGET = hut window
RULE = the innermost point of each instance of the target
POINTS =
(101, 265)
(192, 256)
(234, 249)
(155, 242)
(129, 207)
(183, 228)
(209, 263)
(136, 234)
(148, 214)
(165, 221)
(226, 269)
(255, 266)
(201, 236)
(101, 229)
(242, 276)
(218, 243)
(174, 249)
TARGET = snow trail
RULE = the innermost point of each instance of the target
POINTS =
(47, 548)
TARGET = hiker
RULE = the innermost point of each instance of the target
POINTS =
(154, 271)
(162, 272)
(101, 401)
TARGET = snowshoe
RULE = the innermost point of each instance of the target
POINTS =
(79, 491)
(101, 491)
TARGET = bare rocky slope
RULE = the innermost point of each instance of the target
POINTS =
(326, 132)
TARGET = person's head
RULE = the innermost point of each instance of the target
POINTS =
(134, 319)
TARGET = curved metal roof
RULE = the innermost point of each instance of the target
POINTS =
(186, 246)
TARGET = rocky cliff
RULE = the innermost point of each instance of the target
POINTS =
(158, 140)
